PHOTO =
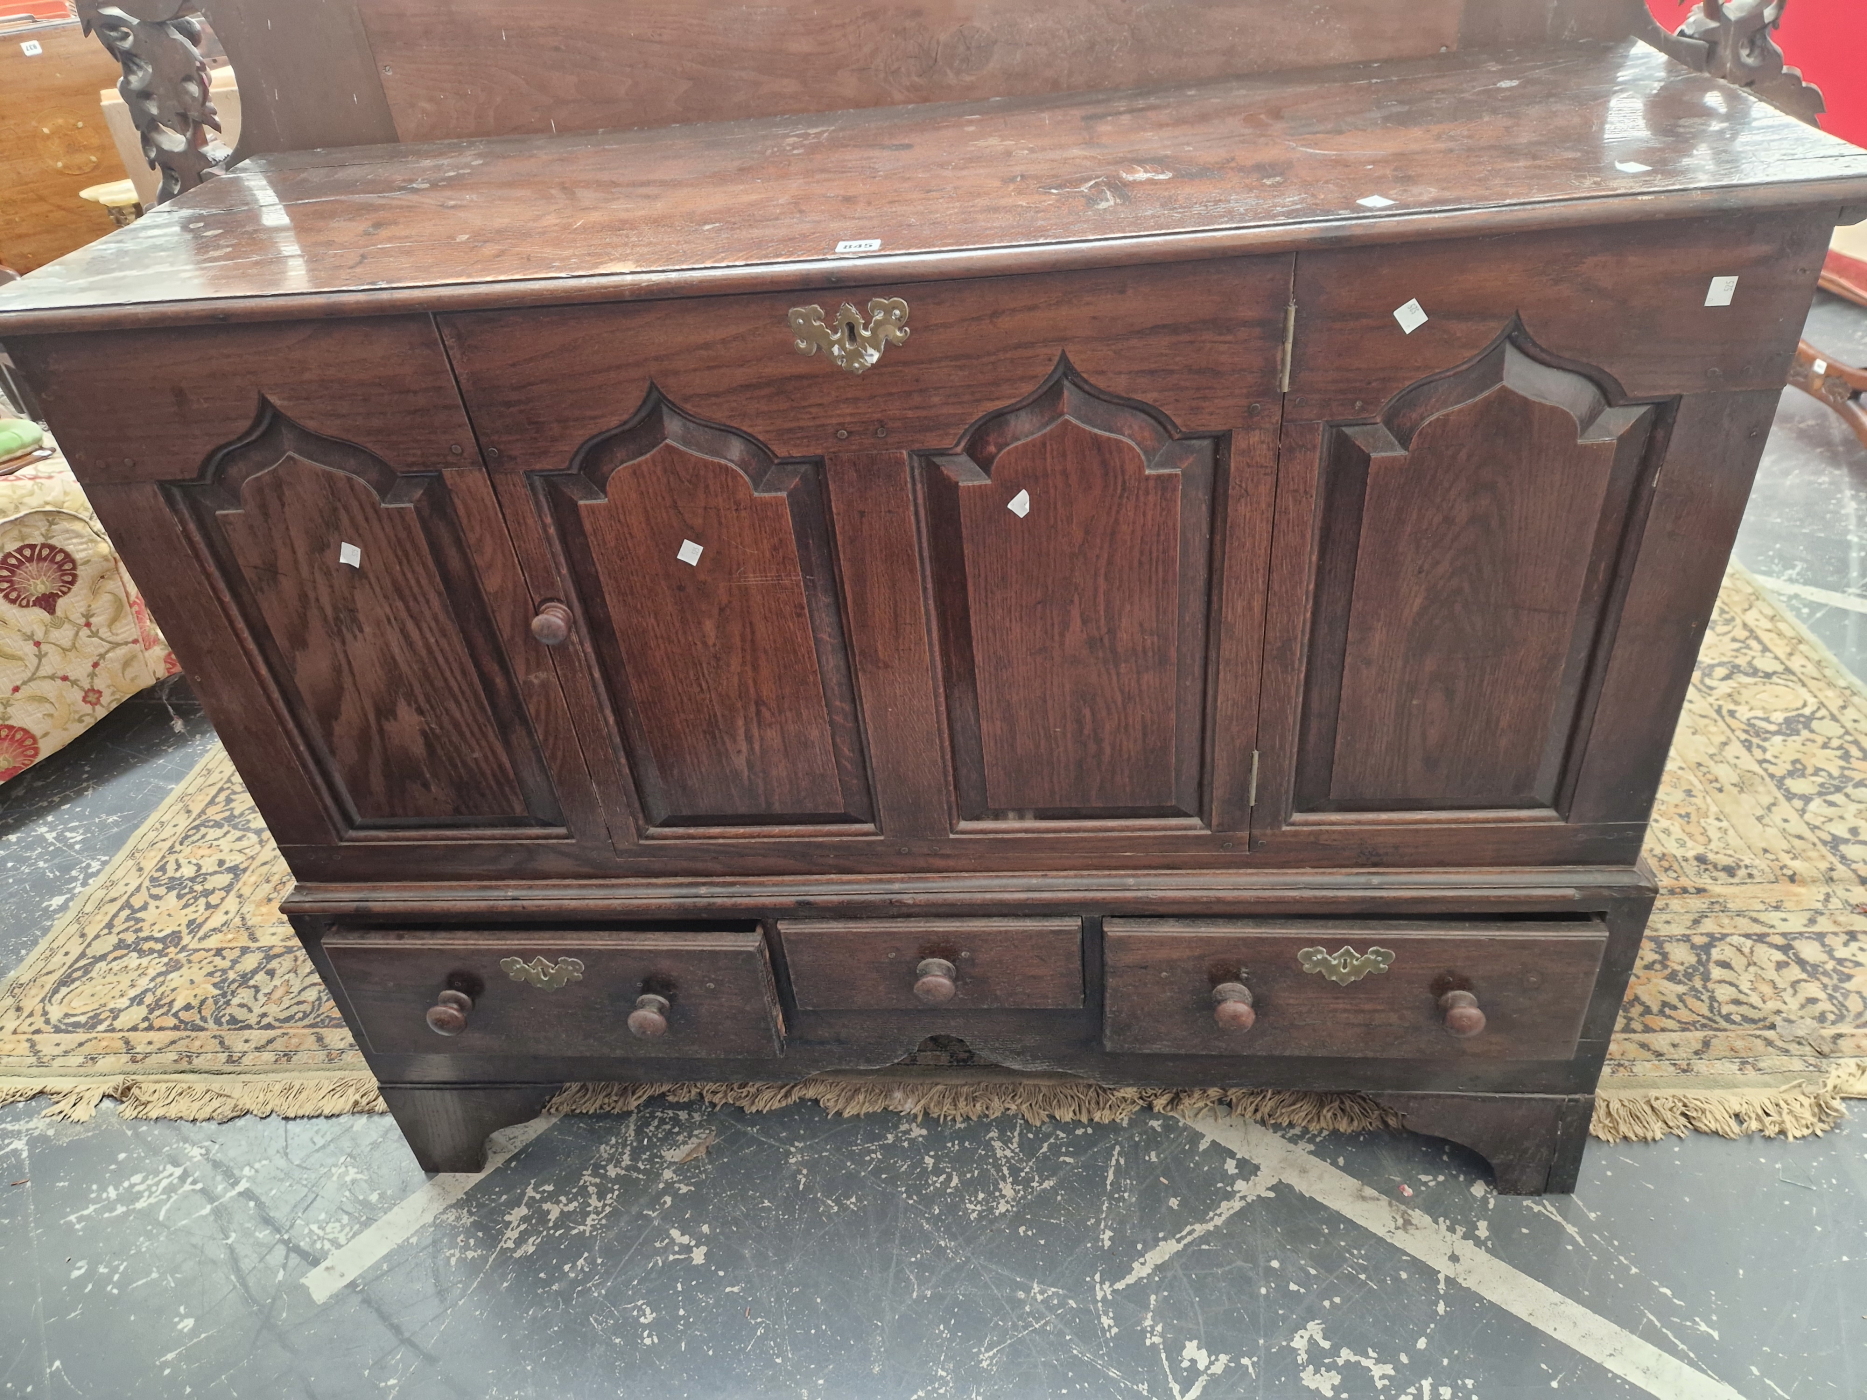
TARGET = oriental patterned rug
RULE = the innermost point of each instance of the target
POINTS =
(173, 986)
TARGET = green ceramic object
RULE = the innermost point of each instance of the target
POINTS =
(17, 435)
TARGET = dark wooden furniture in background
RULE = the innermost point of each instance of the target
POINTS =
(985, 525)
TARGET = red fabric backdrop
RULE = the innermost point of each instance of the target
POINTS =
(1827, 40)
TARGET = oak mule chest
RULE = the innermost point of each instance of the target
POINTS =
(1148, 562)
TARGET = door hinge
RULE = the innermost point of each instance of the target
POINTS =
(1251, 797)
(1290, 342)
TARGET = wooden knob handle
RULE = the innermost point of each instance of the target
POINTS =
(934, 981)
(448, 1015)
(1463, 1018)
(552, 624)
(650, 1017)
(1231, 1007)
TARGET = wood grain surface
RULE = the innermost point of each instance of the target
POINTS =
(1476, 143)
(1629, 301)
(586, 64)
(870, 964)
(718, 985)
(572, 66)
(1463, 588)
(544, 381)
(702, 569)
(377, 657)
(1533, 980)
(1070, 550)
(173, 397)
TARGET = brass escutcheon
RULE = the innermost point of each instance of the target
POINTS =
(851, 343)
(1344, 965)
(548, 976)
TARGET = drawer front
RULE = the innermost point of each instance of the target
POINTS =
(1627, 301)
(873, 965)
(1380, 999)
(532, 993)
(1198, 341)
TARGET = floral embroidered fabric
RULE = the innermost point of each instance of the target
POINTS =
(76, 639)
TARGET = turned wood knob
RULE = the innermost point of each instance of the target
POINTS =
(552, 624)
(1231, 1007)
(448, 1015)
(650, 1017)
(933, 981)
(1463, 1018)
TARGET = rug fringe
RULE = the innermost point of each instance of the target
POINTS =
(1850, 1082)
(1036, 1102)
(1798, 1110)
(205, 1098)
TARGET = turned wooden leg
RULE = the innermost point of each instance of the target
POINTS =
(1533, 1142)
(447, 1127)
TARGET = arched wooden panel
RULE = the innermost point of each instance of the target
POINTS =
(358, 593)
(1071, 538)
(703, 568)
(1466, 583)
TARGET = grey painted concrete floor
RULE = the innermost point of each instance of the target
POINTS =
(685, 1252)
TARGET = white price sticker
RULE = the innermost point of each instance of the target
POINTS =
(859, 245)
(1721, 291)
(348, 553)
(1411, 316)
(1020, 504)
(31, 48)
(689, 553)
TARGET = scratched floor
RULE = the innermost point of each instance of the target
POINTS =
(682, 1252)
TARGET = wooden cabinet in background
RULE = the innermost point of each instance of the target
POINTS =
(1093, 577)
(55, 142)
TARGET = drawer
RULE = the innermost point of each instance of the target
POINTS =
(539, 993)
(1198, 341)
(1350, 988)
(1626, 300)
(873, 965)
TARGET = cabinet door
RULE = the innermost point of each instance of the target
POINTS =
(356, 587)
(1071, 542)
(319, 539)
(1471, 545)
(701, 567)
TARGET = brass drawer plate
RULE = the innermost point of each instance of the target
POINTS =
(1533, 981)
(719, 989)
(999, 964)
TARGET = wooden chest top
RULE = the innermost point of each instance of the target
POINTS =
(1461, 144)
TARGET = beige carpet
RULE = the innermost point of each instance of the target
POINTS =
(174, 987)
